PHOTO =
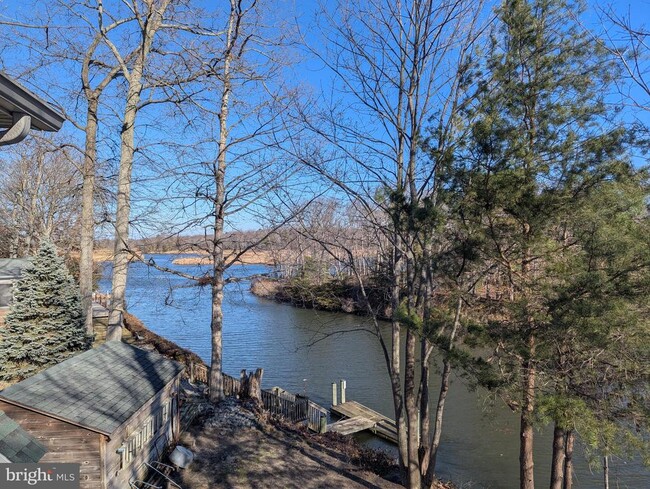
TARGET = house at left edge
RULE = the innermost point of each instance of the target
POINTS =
(111, 409)
(10, 272)
(20, 112)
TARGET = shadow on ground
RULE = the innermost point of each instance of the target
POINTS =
(234, 451)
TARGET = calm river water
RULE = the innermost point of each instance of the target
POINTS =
(305, 351)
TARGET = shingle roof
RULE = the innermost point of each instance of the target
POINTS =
(98, 389)
(16, 445)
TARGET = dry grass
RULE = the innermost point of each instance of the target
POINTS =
(251, 257)
(102, 255)
(265, 287)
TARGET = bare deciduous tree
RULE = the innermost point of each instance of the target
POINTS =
(38, 196)
(400, 68)
(69, 35)
(229, 164)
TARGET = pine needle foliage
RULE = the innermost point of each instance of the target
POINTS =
(546, 175)
(45, 323)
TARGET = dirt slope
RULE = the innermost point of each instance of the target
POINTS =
(234, 450)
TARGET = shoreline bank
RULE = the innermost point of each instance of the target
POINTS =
(335, 295)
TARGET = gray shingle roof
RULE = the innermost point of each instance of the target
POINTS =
(16, 444)
(98, 389)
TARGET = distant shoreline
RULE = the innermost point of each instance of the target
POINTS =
(251, 257)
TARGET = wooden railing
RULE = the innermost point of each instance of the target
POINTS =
(294, 411)
(315, 415)
(198, 372)
(294, 408)
(231, 386)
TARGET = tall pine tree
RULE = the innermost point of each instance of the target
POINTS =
(45, 324)
(596, 362)
(541, 142)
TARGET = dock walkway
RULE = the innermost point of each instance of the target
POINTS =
(357, 417)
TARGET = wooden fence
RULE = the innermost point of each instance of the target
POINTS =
(294, 408)
(315, 415)
(231, 386)
(294, 411)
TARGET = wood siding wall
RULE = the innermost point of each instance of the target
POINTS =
(117, 476)
(65, 442)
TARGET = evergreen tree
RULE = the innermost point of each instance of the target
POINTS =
(45, 324)
(541, 143)
(597, 364)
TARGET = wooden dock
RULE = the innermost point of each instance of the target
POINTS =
(357, 417)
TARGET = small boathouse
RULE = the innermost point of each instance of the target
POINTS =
(111, 409)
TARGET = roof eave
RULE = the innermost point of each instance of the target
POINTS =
(21, 100)
(53, 416)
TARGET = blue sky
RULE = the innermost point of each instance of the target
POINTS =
(307, 71)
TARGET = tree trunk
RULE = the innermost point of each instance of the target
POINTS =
(606, 471)
(122, 215)
(216, 328)
(88, 216)
(425, 424)
(127, 150)
(526, 461)
(243, 384)
(442, 398)
(31, 240)
(568, 460)
(437, 430)
(398, 402)
(412, 418)
(557, 464)
(251, 385)
(426, 350)
(255, 385)
(394, 371)
(219, 173)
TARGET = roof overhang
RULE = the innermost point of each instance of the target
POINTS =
(21, 110)
(53, 416)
